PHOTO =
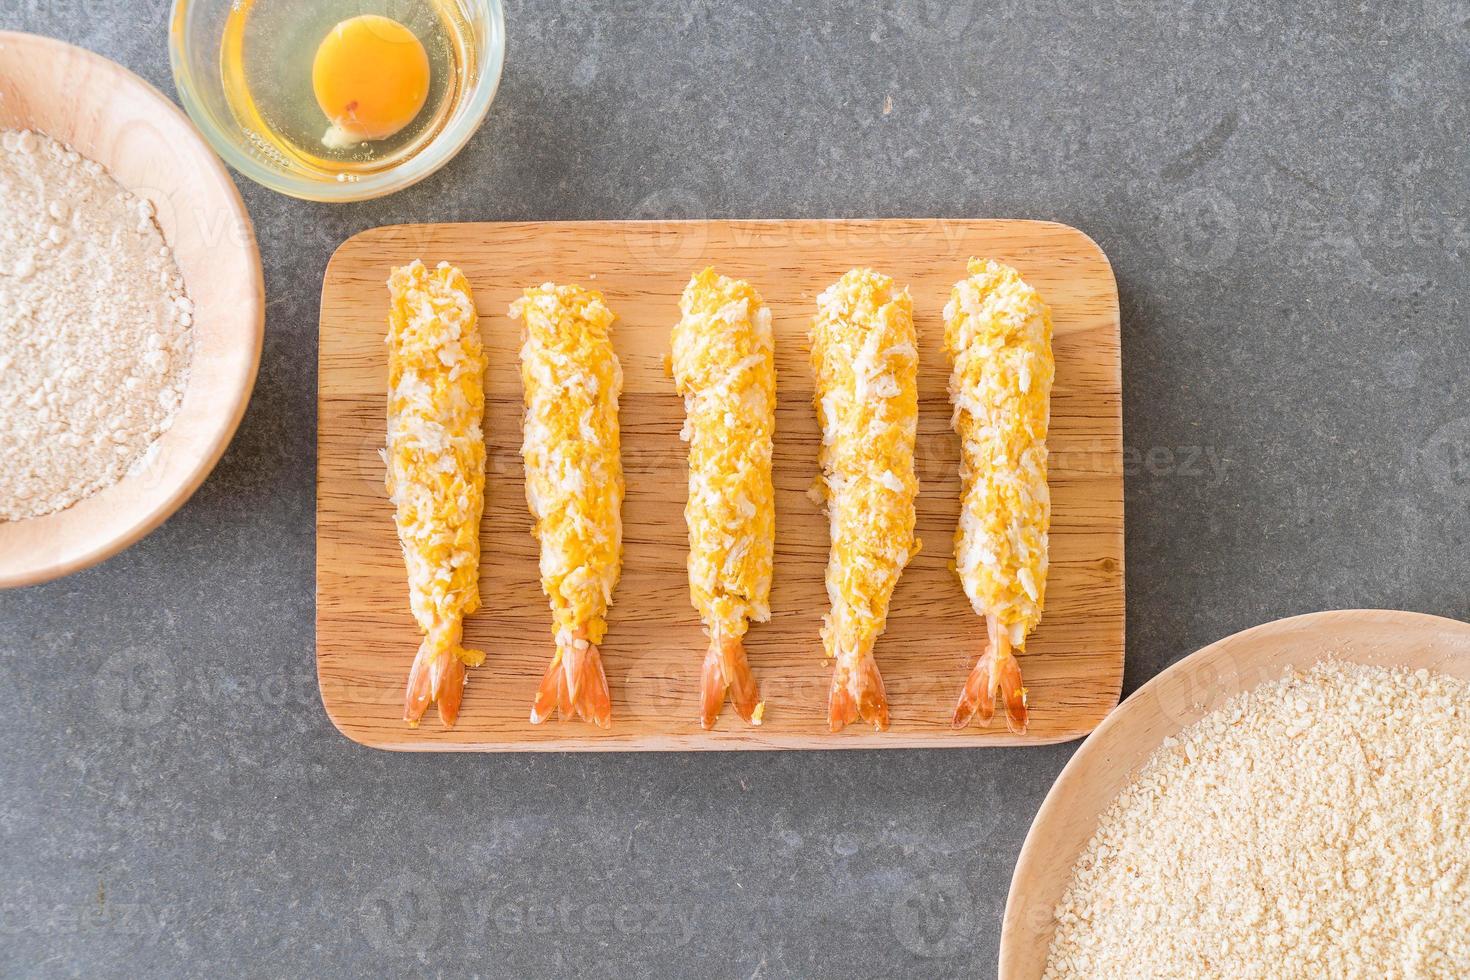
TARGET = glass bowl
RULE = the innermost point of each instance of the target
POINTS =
(195, 34)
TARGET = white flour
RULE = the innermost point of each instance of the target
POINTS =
(95, 335)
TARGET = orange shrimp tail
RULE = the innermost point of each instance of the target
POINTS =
(726, 669)
(438, 677)
(450, 692)
(997, 671)
(416, 699)
(552, 694)
(575, 685)
(857, 692)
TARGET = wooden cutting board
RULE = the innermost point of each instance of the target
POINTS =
(366, 637)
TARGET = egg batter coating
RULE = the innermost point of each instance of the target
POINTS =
(724, 365)
(865, 358)
(998, 336)
(436, 471)
(574, 484)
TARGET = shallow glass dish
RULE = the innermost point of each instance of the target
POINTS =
(196, 37)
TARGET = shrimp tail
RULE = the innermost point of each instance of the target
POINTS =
(420, 690)
(552, 694)
(857, 692)
(438, 675)
(449, 688)
(997, 671)
(574, 684)
(726, 669)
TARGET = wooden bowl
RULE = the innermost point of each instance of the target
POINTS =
(112, 116)
(1175, 699)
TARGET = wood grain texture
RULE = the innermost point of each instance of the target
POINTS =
(1174, 700)
(112, 116)
(366, 637)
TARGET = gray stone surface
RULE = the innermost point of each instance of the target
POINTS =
(1283, 191)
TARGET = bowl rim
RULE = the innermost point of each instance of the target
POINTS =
(249, 321)
(442, 149)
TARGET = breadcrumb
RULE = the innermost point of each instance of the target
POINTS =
(1316, 826)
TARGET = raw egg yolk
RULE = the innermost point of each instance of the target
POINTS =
(371, 77)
